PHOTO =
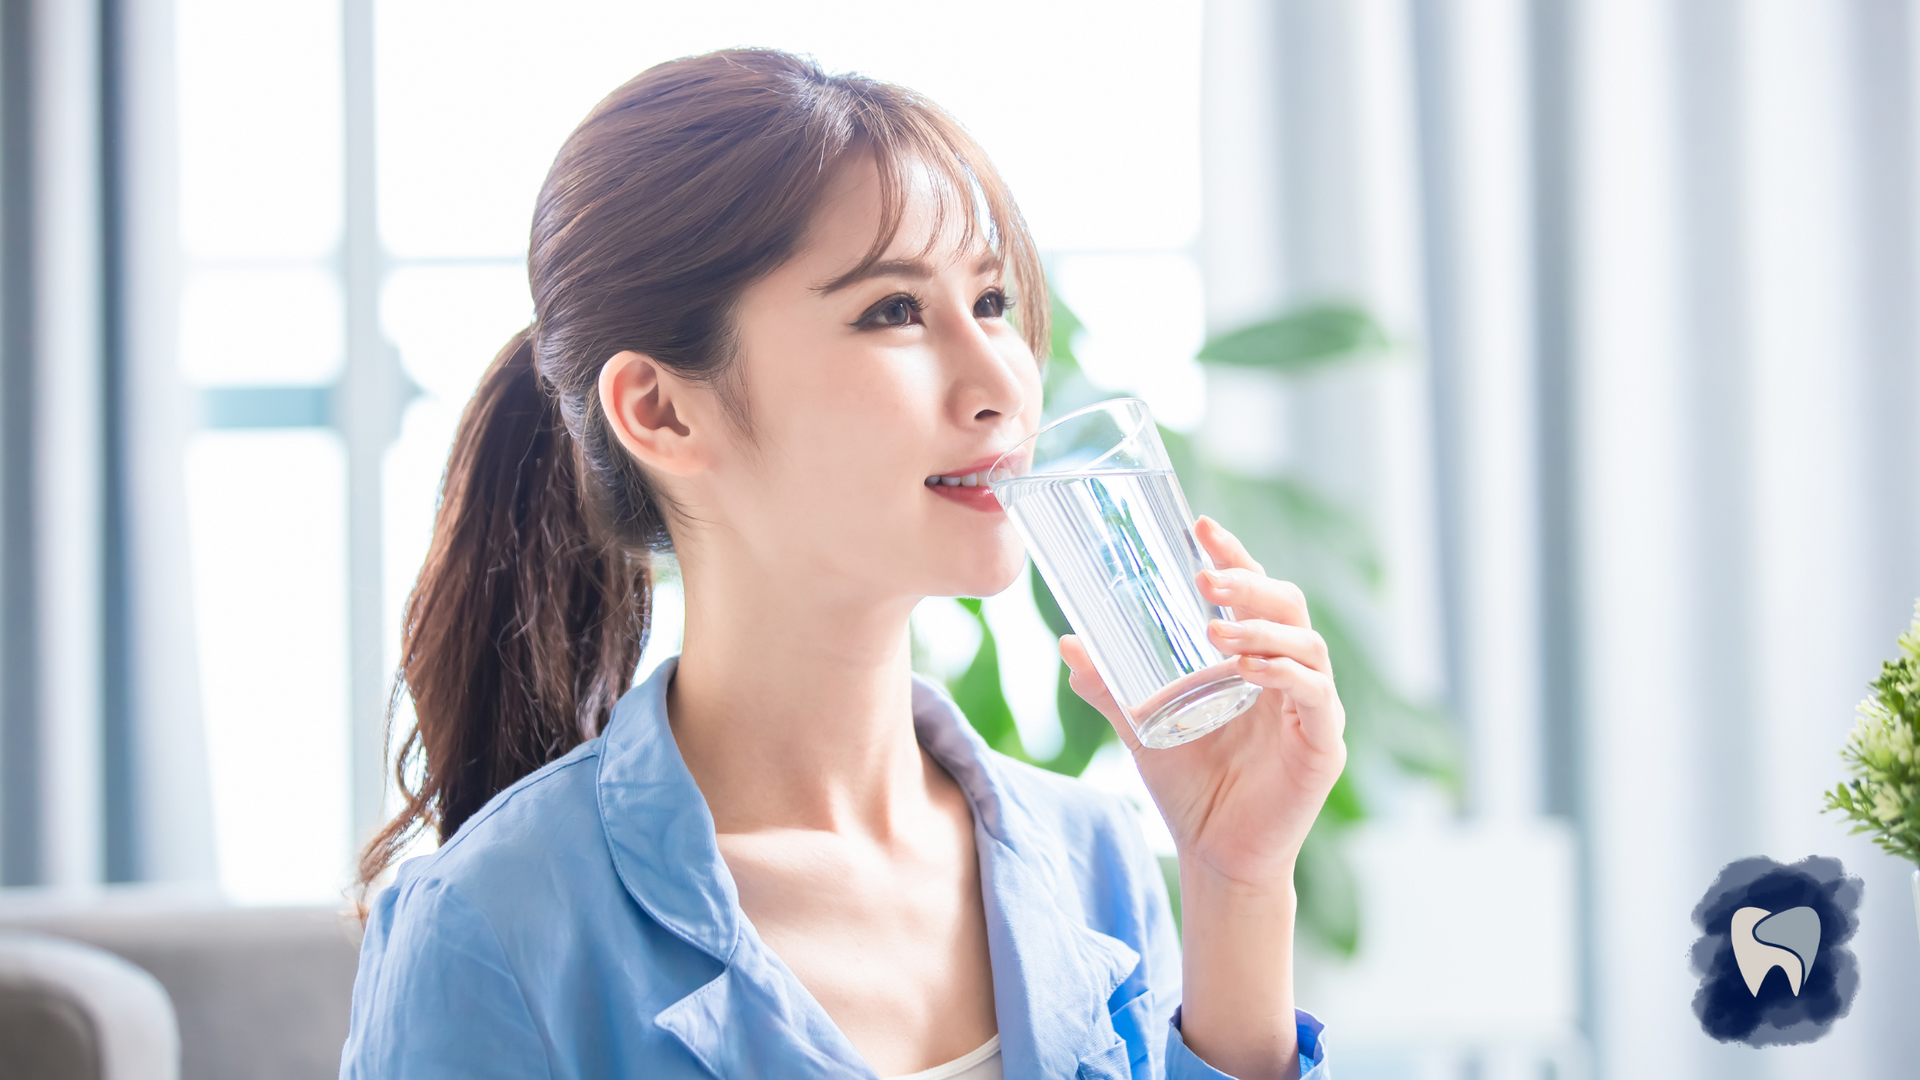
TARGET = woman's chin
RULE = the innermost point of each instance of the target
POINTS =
(983, 577)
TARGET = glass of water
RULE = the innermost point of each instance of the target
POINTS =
(1095, 498)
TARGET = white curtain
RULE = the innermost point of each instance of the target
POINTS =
(115, 787)
(1648, 478)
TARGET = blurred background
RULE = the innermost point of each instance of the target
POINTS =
(1567, 351)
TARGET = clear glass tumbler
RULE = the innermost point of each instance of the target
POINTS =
(1094, 496)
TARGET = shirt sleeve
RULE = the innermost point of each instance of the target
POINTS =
(1183, 1064)
(435, 997)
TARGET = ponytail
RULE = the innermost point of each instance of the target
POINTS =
(526, 624)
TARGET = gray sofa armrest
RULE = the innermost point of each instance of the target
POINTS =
(72, 1012)
(258, 993)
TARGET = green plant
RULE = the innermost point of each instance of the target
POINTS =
(978, 692)
(1883, 754)
(1296, 533)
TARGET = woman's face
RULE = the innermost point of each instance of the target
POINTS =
(860, 396)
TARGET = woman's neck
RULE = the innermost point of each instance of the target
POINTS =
(792, 706)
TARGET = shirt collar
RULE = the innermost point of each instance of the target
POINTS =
(1052, 974)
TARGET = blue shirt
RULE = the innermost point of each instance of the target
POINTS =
(583, 924)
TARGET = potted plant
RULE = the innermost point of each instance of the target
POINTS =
(1883, 754)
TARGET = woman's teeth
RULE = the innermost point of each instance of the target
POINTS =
(972, 479)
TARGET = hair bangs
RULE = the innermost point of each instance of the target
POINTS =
(906, 133)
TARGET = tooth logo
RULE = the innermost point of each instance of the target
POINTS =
(1764, 940)
(1759, 915)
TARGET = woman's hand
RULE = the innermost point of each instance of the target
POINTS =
(1239, 801)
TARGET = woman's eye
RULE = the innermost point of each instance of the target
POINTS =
(993, 304)
(893, 311)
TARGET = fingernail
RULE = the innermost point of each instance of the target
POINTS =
(1213, 579)
(1254, 663)
(1225, 628)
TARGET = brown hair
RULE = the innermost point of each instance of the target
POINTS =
(680, 189)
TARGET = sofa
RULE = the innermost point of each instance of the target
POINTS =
(255, 993)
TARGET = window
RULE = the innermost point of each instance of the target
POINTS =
(262, 335)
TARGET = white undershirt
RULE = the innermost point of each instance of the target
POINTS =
(981, 1064)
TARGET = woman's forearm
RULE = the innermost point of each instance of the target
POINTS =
(1237, 1006)
(1239, 803)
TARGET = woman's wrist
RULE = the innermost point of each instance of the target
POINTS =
(1243, 884)
(1237, 1012)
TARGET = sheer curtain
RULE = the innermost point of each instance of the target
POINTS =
(1752, 472)
(1651, 478)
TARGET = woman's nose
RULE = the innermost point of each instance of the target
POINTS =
(986, 384)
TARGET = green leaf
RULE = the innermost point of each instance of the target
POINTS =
(1083, 730)
(1064, 387)
(1383, 727)
(978, 692)
(1050, 612)
(1063, 326)
(1328, 893)
(1170, 873)
(1293, 530)
(1343, 802)
(1299, 340)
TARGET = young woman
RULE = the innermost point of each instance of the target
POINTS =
(773, 307)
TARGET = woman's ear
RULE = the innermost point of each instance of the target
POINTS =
(659, 417)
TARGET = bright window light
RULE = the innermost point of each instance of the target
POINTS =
(259, 116)
(266, 516)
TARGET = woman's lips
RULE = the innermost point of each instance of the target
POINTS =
(968, 489)
(978, 496)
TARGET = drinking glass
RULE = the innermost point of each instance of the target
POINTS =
(1094, 497)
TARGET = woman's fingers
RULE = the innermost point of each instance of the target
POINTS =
(1086, 682)
(1241, 584)
(1252, 594)
(1224, 548)
(1261, 637)
(1323, 720)
(1308, 688)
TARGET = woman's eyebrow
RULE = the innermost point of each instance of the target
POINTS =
(915, 269)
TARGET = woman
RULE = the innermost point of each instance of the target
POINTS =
(773, 309)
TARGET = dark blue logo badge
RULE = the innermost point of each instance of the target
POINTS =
(1772, 959)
